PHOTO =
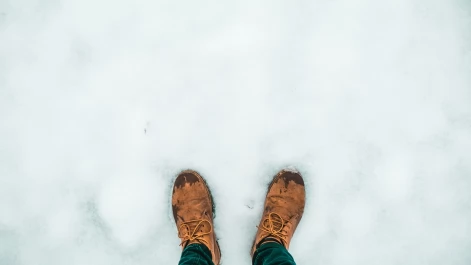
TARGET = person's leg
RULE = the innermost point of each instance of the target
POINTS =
(192, 208)
(272, 253)
(283, 209)
(196, 254)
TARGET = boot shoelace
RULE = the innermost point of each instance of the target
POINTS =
(194, 234)
(274, 225)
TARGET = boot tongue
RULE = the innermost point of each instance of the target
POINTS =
(275, 227)
(274, 224)
(270, 239)
(194, 231)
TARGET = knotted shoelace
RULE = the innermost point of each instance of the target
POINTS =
(273, 225)
(194, 234)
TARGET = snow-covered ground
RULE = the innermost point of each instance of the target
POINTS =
(103, 102)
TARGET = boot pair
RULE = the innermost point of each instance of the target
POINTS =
(193, 209)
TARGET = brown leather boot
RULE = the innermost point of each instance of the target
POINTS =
(192, 207)
(284, 207)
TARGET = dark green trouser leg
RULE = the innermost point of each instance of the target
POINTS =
(272, 254)
(196, 254)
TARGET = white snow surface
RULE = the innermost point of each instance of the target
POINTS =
(103, 102)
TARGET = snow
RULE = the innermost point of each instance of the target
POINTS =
(103, 102)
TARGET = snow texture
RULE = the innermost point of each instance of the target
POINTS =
(103, 102)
